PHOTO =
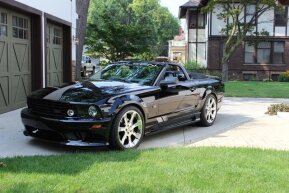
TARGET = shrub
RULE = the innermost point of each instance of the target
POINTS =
(274, 108)
(284, 77)
(2, 165)
(267, 80)
(193, 65)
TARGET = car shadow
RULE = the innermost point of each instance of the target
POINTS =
(58, 148)
(189, 134)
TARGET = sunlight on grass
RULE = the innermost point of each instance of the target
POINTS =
(160, 170)
(257, 89)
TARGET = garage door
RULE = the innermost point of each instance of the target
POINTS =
(54, 36)
(15, 62)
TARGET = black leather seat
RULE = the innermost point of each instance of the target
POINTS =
(169, 73)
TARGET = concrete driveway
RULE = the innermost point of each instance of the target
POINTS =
(234, 112)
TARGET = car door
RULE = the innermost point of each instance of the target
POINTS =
(177, 102)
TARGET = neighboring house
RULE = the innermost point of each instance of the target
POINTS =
(37, 47)
(206, 42)
(177, 48)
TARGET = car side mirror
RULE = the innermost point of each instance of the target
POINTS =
(181, 77)
(167, 81)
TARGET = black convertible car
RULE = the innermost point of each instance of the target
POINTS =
(121, 104)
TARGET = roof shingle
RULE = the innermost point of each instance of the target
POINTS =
(191, 4)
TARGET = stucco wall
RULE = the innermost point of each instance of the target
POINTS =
(59, 8)
(265, 22)
(63, 9)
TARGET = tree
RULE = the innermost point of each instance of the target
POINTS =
(118, 29)
(82, 11)
(238, 28)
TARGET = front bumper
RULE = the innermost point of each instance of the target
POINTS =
(71, 132)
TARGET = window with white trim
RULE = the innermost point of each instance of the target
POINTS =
(249, 53)
(264, 53)
(250, 12)
(197, 20)
(278, 53)
(281, 17)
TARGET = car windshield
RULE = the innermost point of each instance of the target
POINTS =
(144, 74)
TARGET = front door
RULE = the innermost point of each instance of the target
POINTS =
(178, 101)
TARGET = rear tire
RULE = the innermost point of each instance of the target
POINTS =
(128, 129)
(209, 111)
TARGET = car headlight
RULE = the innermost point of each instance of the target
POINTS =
(92, 111)
(70, 112)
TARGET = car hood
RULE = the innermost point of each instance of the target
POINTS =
(88, 91)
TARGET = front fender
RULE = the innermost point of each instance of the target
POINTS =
(118, 103)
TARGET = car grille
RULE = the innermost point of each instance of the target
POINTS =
(48, 108)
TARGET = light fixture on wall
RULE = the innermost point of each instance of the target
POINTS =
(75, 40)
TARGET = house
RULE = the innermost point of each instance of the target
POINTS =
(266, 60)
(37, 47)
(177, 48)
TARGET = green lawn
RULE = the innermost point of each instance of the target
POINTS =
(161, 170)
(257, 89)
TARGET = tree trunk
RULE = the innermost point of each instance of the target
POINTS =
(225, 66)
(82, 11)
(225, 73)
(227, 53)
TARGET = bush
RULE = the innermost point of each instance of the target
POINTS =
(146, 56)
(2, 165)
(274, 108)
(284, 77)
(193, 65)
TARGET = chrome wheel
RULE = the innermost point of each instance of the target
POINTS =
(211, 109)
(130, 129)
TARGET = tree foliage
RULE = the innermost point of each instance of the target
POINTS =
(121, 28)
(238, 29)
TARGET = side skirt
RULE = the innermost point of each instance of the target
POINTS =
(154, 130)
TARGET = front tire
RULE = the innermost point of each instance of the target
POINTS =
(209, 111)
(128, 129)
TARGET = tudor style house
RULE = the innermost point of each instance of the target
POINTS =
(205, 42)
(36, 47)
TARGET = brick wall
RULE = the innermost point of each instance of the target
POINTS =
(237, 69)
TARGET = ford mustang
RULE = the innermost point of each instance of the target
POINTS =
(121, 104)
